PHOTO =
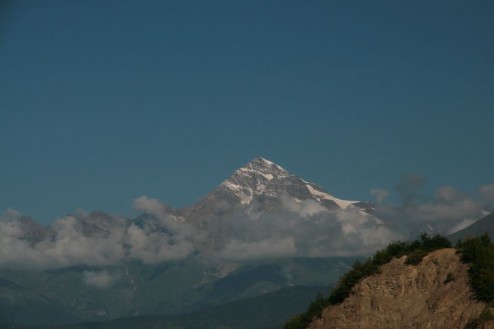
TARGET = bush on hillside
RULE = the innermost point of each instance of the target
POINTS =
(479, 254)
(304, 319)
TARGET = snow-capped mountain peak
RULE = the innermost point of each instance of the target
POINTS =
(253, 179)
(260, 190)
(262, 167)
(262, 178)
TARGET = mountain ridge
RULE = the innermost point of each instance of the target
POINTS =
(167, 261)
(260, 210)
(262, 222)
(257, 186)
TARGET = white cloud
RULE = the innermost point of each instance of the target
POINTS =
(152, 247)
(101, 279)
(379, 194)
(151, 206)
(449, 211)
(302, 207)
(269, 248)
(448, 194)
(295, 231)
(85, 240)
(486, 196)
(302, 228)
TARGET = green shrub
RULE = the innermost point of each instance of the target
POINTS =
(479, 254)
(416, 256)
(435, 242)
(304, 319)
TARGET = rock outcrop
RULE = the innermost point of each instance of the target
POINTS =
(433, 294)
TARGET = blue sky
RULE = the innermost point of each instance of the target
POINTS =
(105, 101)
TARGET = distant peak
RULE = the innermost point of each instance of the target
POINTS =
(253, 178)
(262, 160)
(262, 164)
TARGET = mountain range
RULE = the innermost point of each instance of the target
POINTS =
(262, 230)
(260, 211)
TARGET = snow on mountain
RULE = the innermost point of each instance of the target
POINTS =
(320, 195)
(262, 208)
(253, 179)
(264, 179)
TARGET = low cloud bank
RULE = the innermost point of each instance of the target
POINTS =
(306, 229)
(301, 228)
(93, 240)
(448, 211)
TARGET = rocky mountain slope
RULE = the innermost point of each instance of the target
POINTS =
(259, 186)
(263, 207)
(263, 189)
(18, 304)
(433, 294)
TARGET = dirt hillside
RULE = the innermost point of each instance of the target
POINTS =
(433, 294)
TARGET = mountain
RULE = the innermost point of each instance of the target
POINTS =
(261, 230)
(137, 289)
(19, 305)
(261, 192)
(481, 226)
(260, 186)
(267, 311)
(433, 294)
(260, 203)
(32, 230)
